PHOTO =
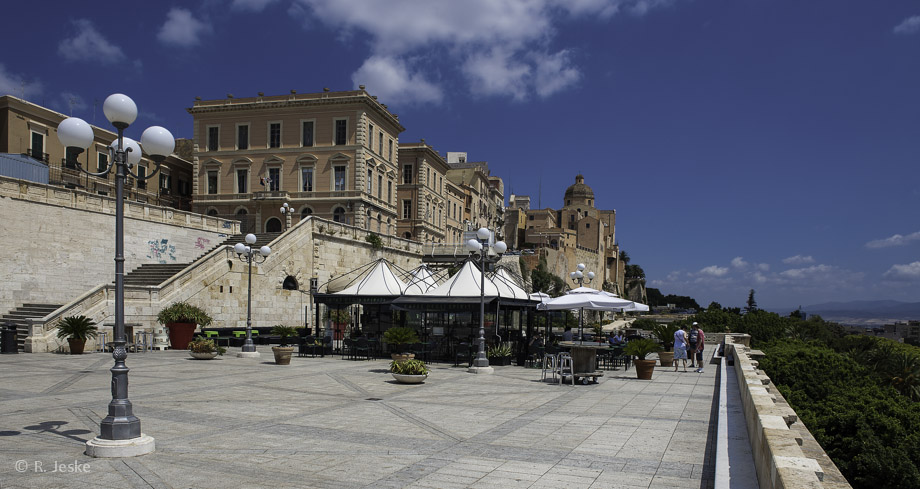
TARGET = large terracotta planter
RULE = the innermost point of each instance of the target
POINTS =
(283, 354)
(666, 358)
(180, 334)
(644, 369)
(76, 345)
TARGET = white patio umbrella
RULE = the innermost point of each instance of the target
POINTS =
(586, 298)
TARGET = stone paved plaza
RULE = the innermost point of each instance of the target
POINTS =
(333, 423)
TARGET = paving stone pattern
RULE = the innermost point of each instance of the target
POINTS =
(333, 423)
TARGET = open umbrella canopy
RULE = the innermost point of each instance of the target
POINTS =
(586, 298)
(422, 281)
(507, 285)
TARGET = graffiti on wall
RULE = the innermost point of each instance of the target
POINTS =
(202, 243)
(161, 251)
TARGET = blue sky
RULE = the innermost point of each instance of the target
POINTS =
(762, 144)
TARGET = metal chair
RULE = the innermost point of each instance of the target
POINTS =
(307, 345)
(463, 351)
(565, 366)
(361, 348)
(549, 365)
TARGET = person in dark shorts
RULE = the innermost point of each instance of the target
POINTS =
(692, 338)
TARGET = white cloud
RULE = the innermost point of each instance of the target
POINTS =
(896, 240)
(554, 73)
(910, 271)
(250, 5)
(500, 48)
(798, 260)
(89, 45)
(738, 262)
(182, 29)
(828, 276)
(910, 25)
(714, 271)
(70, 102)
(763, 267)
(392, 81)
(18, 85)
(495, 73)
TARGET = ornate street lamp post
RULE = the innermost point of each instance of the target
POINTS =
(481, 246)
(120, 431)
(286, 211)
(246, 254)
(580, 278)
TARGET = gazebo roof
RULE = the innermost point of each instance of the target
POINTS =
(379, 281)
(421, 282)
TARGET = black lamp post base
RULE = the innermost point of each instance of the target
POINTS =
(120, 428)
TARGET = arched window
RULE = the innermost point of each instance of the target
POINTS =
(290, 283)
(273, 225)
(379, 221)
(306, 212)
(212, 212)
(368, 221)
(338, 215)
(241, 212)
(408, 235)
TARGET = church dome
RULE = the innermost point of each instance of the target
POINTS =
(578, 192)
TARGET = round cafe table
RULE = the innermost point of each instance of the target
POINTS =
(584, 359)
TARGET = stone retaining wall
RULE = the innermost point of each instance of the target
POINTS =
(786, 455)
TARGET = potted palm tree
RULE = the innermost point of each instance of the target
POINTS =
(665, 335)
(77, 329)
(409, 371)
(204, 349)
(639, 348)
(398, 336)
(284, 350)
(499, 354)
(180, 319)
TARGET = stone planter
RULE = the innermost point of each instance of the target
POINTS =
(644, 369)
(409, 379)
(500, 361)
(76, 346)
(666, 358)
(282, 354)
(180, 334)
(203, 356)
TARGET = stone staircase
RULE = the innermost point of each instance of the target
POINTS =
(153, 274)
(17, 317)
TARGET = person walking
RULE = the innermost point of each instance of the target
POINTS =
(699, 349)
(692, 340)
(680, 346)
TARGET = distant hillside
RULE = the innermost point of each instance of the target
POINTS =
(866, 312)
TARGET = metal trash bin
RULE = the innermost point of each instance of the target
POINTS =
(8, 343)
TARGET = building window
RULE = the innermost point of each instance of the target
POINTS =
(242, 136)
(389, 191)
(407, 209)
(530, 218)
(407, 174)
(142, 177)
(338, 215)
(38, 146)
(213, 135)
(184, 188)
(380, 143)
(102, 161)
(390, 151)
(370, 136)
(370, 180)
(307, 133)
(165, 183)
(70, 156)
(274, 135)
(587, 225)
(306, 212)
(212, 181)
(306, 179)
(379, 185)
(338, 178)
(341, 132)
(242, 180)
(274, 177)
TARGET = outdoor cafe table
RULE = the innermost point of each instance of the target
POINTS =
(584, 358)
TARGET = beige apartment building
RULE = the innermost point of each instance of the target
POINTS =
(422, 194)
(31, 130)
(330, 154)
(484, 200)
